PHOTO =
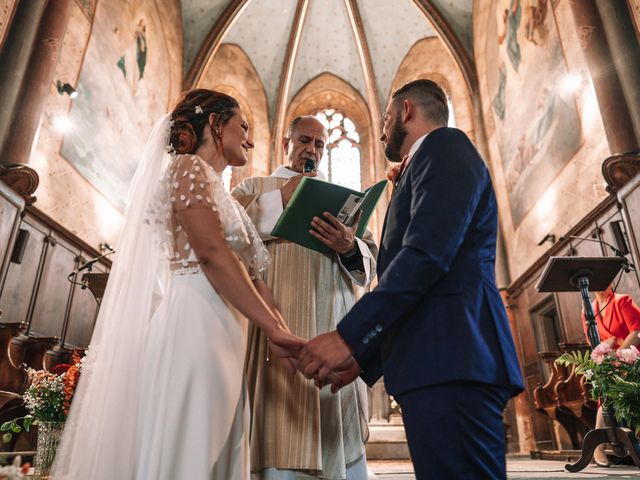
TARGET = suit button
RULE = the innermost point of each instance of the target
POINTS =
(365, 340)
(373, 333)
(379, 328)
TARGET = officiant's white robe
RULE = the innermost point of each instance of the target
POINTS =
(294, 426)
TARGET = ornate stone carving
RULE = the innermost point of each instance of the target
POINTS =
(22, 179)
(618, 169)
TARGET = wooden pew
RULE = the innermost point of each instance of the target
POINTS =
(565, 397)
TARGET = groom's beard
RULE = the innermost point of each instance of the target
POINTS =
(396, 139)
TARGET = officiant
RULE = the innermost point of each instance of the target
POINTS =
(294, 426)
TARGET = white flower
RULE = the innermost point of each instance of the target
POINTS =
(588, 374)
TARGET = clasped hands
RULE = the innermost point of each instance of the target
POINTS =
(326, 359)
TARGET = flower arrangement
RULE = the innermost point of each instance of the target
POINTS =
(614, 376)
(48, 397)
(15, 471)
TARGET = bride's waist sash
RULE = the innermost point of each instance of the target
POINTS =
(185, 268)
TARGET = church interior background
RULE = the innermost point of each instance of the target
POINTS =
(548, 90)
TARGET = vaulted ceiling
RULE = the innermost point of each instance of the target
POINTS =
(292, 41)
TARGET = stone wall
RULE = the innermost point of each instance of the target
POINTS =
(430, 59)
(7, 7)
(231, 71)
(102, 36)
(563, 178)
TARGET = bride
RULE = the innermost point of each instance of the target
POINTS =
(162, 394)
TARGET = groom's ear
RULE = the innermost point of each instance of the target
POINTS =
(408, 111)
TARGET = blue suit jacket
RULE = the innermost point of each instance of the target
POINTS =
(436, 315)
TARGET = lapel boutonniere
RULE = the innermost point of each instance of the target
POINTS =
(395, 170)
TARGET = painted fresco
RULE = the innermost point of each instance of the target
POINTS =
(124, 89)
(537, 122)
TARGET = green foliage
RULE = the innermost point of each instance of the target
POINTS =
(614, 377)
(581, 360)
(13, 426)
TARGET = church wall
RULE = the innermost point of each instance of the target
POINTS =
(547, 148)
(231, 71)
(7, 9)
(111, 116)
(430, 59)
(634, 6)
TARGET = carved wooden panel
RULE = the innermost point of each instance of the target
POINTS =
(51, 304)
(542, 430)
(630, 199)
(15, 297)
(11, 205)
(629, 282)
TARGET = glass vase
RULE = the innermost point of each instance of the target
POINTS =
(49, 435)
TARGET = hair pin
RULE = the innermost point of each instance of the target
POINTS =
(199, 110)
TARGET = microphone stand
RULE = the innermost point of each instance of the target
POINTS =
(88, 266)
(630, 267)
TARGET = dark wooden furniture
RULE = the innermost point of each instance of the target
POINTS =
(55, 317)
(565, 397)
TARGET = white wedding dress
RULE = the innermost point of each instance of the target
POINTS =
(162, 394)
(193, 407)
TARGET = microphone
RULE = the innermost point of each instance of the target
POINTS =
(88, 266)
(630, 266)
(309, 166)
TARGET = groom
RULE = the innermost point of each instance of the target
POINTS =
(435, 326)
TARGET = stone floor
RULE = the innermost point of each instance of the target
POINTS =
(518, 467)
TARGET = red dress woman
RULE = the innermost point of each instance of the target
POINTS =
(618, 320)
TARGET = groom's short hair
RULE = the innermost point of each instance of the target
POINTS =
(428, 96)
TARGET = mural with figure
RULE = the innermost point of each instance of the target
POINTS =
(124, 88)
(537, 122)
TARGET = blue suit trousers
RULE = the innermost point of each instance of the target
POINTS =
(455, 431)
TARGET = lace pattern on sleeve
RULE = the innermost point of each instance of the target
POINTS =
(190, 182)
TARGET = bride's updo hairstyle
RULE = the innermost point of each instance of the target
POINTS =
(191, 115)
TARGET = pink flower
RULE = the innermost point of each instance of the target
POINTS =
(601, 351)
(628, 355)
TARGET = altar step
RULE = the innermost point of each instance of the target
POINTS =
(387, 441)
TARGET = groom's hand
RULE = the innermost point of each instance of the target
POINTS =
(327, 351)
(346, 374)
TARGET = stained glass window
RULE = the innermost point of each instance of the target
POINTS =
(341, 160)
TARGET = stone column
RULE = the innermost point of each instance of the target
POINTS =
(14, 61)
(611, 100)
(29, 82)
(625, 53)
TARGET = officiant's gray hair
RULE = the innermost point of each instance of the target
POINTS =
(294, 123)
(428, 96)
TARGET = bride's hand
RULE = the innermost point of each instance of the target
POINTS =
(286, 346)
(281, 323)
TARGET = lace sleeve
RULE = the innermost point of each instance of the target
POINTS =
(194, 184)
(191, 184)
